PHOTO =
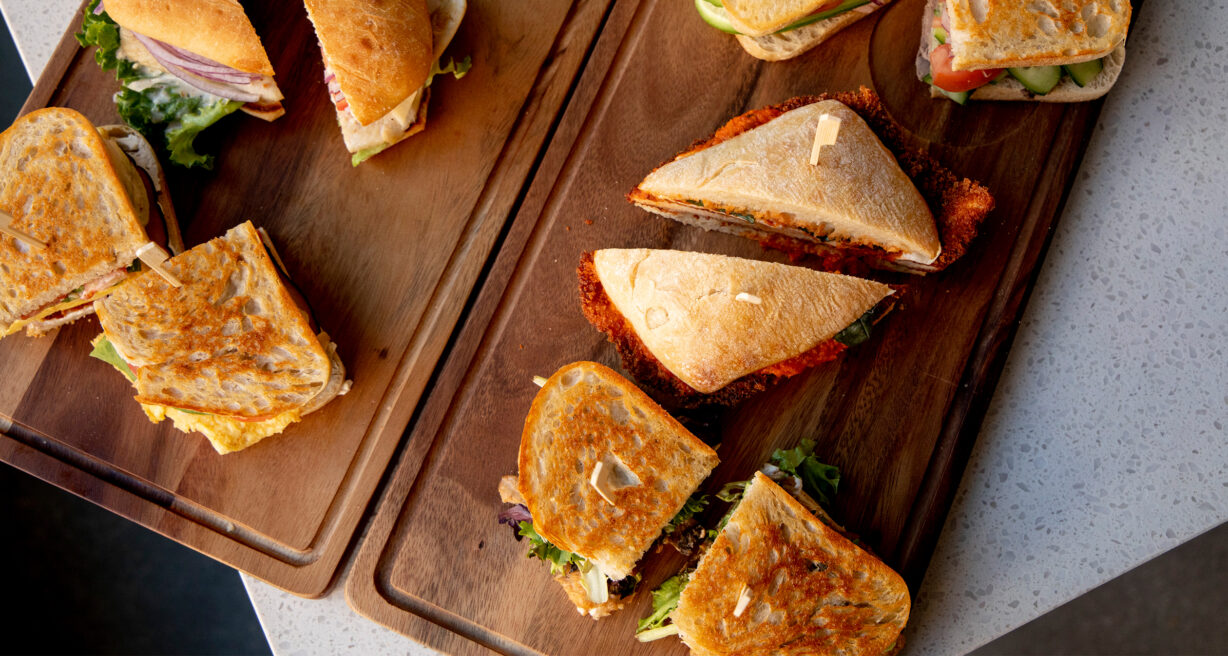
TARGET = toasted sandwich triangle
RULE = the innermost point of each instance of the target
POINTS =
(811, 590)
(856, 193)
(711, 319)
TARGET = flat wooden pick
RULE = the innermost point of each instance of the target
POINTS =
(153, 256)
(824, 135)
(6, 227)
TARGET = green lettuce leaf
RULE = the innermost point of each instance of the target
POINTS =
(664, 601)
(457, 69)
(367, 153)
(818, 480)
(181, 132)
(693, 506)
(560, 561)
(99, 30)
(104, 350)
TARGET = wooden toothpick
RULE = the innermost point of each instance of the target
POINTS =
(153, 256)
(6, 226)
(824, 135)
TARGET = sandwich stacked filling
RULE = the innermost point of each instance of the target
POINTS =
(183, 66)
(1000, 50)
(68, 186)
(230, 353)
(781, 30)
(379, 61)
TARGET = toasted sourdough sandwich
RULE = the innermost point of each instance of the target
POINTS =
(773, 30)
(75, 188)
(379, 60)
(184, 65)
(778, 580)
(602, 472)
(869, 201)
(230, 353)
(1005, 50)
(699, 328)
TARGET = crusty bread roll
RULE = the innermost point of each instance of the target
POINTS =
(761, 17)
(215, 29)
(1010, 33)
(786, 45)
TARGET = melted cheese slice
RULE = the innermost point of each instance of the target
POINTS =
(224, 433)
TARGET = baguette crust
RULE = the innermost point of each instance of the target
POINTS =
(586, 414)
(683, 308)
(811, 590)
(1009, 33)
(215, 29)
(60, 185)
(958, 206)
(787, 45)
(380, 50)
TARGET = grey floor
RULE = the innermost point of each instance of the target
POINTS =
(82, 580)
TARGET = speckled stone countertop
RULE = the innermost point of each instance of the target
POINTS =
(1106, 443)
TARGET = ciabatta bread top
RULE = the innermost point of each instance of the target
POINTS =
(380, 50)
(61, 186)
(760, 17)
(787, 45)
(584, 415)
(1008, 33)
(711, 319)
(231, 341)
(857, 191)
(214, 29)
(810, 590)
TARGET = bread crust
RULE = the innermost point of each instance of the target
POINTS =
(587, 414)
(1009, 33)
(787, 45)
(215, 29)
(60, 185)
(760, 17)
(380, 50)
(958, 205)
(811, 590)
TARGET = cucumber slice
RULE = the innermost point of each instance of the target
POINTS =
(960, 97)
(1038, 79)
(940, 35)
(1083, 73)
(715, 16)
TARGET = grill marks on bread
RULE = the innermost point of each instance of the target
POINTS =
(59, 185)
(1005, 33)
(230, 342)
(585, 414)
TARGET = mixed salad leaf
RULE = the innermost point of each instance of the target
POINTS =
(819, 480)
(664, 601)
(104, 350)
(560, 561)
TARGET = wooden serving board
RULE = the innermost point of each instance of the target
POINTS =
(387, 253)
(897, 414)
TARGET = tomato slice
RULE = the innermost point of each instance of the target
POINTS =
(956, 81)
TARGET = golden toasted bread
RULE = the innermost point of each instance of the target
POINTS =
(584, 416)
(214, 29)
(760, 17)
(807, 589)
(779, 46)
(1008, 33)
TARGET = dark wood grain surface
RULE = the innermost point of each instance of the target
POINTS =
(896, 414)
(387, 254)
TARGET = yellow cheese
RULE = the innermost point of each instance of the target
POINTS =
(66, 305)
(225, 433)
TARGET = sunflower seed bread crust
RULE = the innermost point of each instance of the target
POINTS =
(587, 414)
(811, 590)
(231, 341)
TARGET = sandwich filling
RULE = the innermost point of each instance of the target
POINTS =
(715, 14)
(939, 48)
(179, 92)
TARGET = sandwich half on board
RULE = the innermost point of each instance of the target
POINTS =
(75, 206)
(379, 61)
(862, 200)
(184, 65)
(699, 328)
(603, 472)
(780, 579)
(774, 30)
(1050, 51)
(230, 352)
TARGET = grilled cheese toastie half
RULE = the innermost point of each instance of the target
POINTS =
(865, 201)
(379, 61)
(231, 353)
(184, 65)
(80, 190)
(773, 30)
(602, 471)
(699, 328)
(1049, 50)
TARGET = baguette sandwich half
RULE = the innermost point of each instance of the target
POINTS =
(866, 201)
(603, 471)
(1049, 51)
(232, 353)
(774, 31)
(89, 195)
(184, 65)
(379, 60)
(698, 328)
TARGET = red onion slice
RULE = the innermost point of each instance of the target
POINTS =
(193, 79)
